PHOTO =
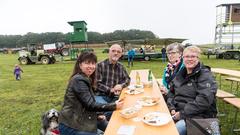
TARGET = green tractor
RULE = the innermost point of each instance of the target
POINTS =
(36, 56)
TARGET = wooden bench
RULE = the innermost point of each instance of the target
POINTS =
(232, 80)
(223, 94)
(236, 103)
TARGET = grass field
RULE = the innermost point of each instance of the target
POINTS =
(43, 86)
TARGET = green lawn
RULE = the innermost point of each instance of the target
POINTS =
(43, 86)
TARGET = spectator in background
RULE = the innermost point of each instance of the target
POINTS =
(163, 50)
(174, 54)
(192, 91)
(78, 115)
(141, 50)
(111, 77)
(131, 54)
(17, 72)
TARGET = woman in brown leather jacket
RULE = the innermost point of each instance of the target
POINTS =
(78, 115)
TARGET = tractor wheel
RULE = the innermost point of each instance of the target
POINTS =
(23, 61)
(65, 52)
(53, 60)
(236, 56)
(227, 56)
(146, 58)
(45, 60)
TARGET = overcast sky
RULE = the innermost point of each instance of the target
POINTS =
(191, 19)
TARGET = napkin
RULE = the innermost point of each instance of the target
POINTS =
(126, 130)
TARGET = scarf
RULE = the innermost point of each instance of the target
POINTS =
(171, 70)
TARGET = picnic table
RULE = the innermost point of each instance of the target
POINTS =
(226, 72)
(141, 128)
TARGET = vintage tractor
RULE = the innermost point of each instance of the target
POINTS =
(56, 48)
(36, 56)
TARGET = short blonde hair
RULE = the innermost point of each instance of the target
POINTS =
(192, 48)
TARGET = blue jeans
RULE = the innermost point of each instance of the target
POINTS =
(181, 127)
(17, 76)
(130, 61)
(105, 100)
(163, 57)
(65, 130)
(102, 124)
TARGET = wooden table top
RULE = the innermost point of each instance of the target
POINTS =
(223, 94)
(130, 100)
(227, 72)
(233, 101)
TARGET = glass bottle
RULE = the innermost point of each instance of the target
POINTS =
(149, 75)
(138, 79)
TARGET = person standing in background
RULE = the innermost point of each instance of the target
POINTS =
(163, 50)
(17, 72)
(131, 54)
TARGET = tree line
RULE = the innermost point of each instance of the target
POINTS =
(12, 41)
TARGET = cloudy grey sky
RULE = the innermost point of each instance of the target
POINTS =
(191, 19)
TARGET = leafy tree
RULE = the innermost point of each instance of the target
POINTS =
(11, 41)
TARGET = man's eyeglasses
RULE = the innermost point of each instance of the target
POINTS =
(190, 56)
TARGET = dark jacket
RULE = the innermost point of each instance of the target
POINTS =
(79, 108)
(193, 95)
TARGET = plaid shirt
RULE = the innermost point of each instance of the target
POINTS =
(108, 75)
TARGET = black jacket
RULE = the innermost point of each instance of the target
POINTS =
(193, 95)
(79, 108)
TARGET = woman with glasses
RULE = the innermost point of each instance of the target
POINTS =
(174, 54)
(192, 91)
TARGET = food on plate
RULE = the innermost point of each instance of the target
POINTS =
(148, 101)
(152, 118)
(156, 118)
(135, 91)
(139, 86)
(132, 87)
(129, 112)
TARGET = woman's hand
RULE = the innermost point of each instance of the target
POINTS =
(163, 90)
(175, 115)
(173, 112)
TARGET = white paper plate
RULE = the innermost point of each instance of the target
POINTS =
(156, 118)
(131, 87)
(147, 101)
(135, 91)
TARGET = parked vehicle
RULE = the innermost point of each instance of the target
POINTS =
(33, 56)
(146, 52)
(143, 56)
(56, 48)
(228, 53)
(3, 50)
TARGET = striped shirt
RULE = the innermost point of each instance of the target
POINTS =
(108, 75)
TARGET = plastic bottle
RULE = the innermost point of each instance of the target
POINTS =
(138, 79)
(149, 75)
